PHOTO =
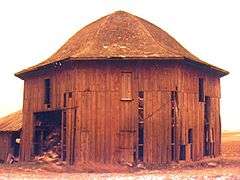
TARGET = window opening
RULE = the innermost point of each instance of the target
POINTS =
(47, 86)
(190, 136)
(64, 100)
(201, 90)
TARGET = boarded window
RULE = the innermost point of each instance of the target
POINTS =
(201, 90)
(126, 86)
(47, 91)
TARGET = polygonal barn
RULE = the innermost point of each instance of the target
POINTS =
(122, 90)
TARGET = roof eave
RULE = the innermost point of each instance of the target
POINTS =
(21, 74)
(220, 71)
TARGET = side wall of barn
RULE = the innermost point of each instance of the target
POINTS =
(108, 125)
(5, 145)
(191, 110)
(104, 127)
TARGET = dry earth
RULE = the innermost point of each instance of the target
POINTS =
(225, 167)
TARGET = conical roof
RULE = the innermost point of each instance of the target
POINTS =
(119, 35)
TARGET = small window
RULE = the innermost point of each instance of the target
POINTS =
(64, 100)
(47, 86)
(190, 136)
(201, 90)
(126, 86)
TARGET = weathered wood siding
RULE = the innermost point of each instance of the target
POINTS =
(191, 111)
(106, 126)
(5, 145)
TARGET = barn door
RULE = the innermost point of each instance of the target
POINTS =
(127, 126)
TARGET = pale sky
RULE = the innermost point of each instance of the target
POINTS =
(30, 31)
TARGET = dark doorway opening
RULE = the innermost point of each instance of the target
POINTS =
(15, 143)
(47, 134)
(140, 153)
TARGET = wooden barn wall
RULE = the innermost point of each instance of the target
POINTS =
(191, 111)
(33, 101)
(106, 126)
(5, 145)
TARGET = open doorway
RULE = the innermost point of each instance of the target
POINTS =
(47, 132)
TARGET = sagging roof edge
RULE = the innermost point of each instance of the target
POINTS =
(220, 71)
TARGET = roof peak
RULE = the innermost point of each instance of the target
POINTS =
(119, 34)
(120, 12)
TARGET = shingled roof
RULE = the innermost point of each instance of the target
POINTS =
(11, 122)
(120, 35)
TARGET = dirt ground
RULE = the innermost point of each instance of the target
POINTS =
(225, 167)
